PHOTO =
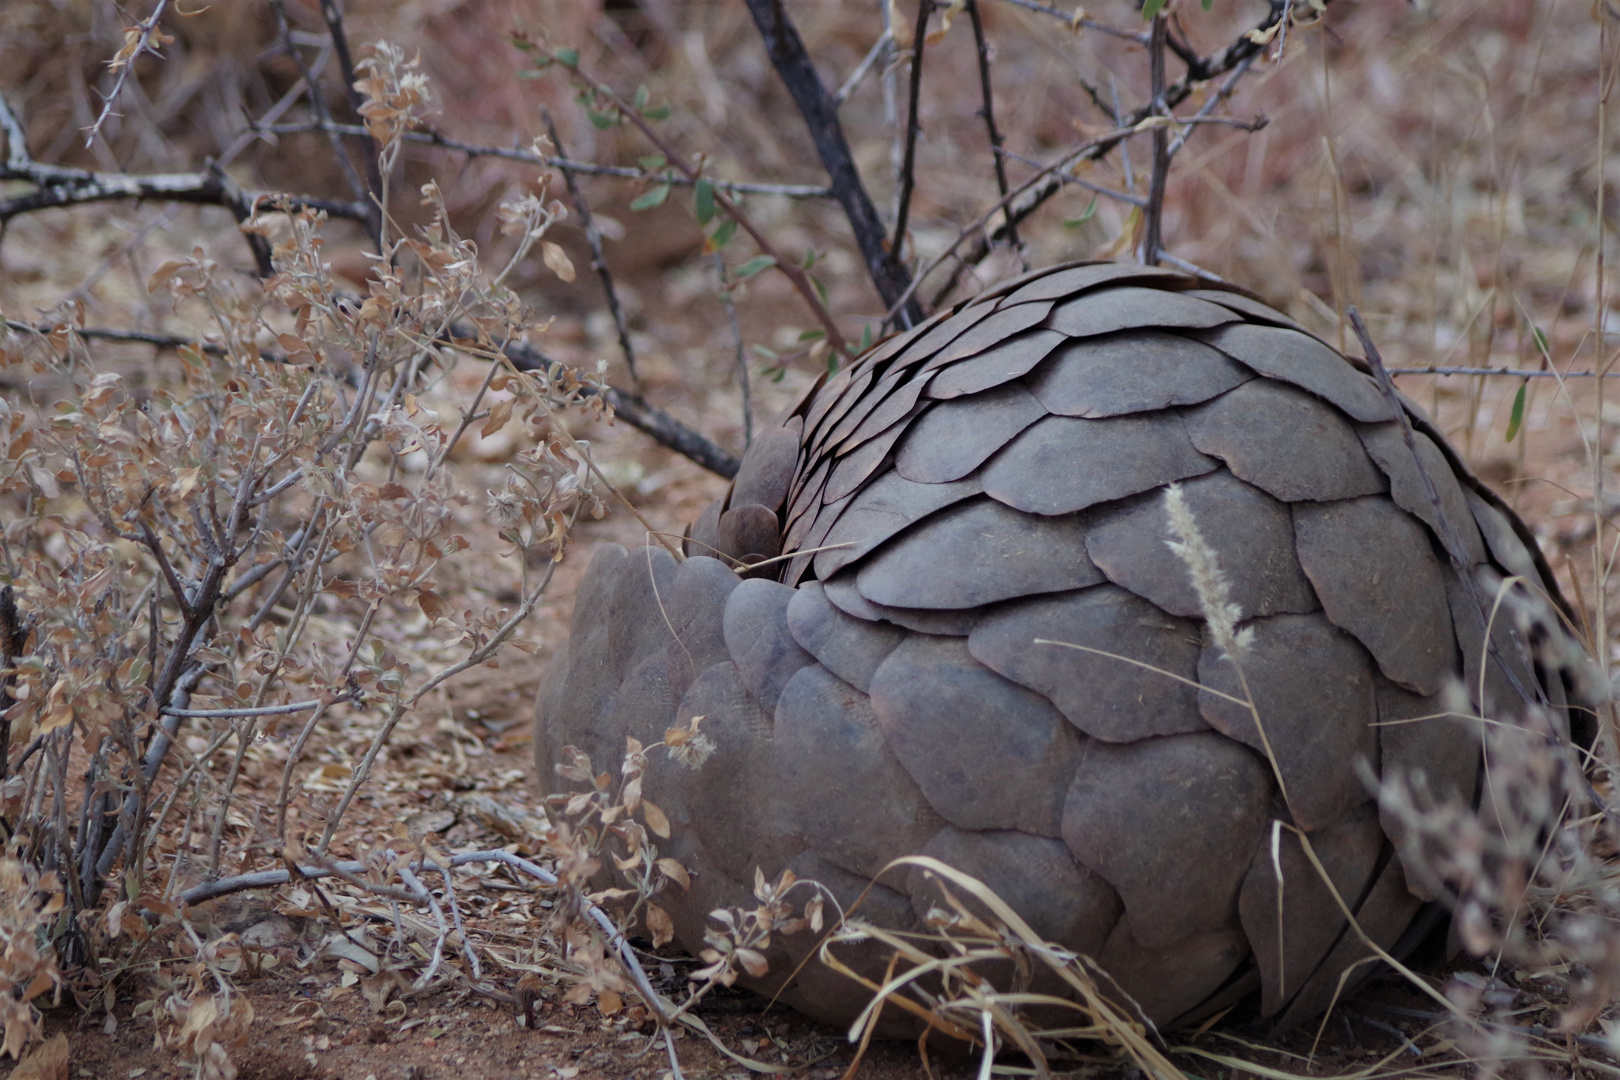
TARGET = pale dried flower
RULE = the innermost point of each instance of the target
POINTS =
(1208, 580)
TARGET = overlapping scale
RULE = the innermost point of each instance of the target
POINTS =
(993, 478)
(1310, 685)
(1062, 464)
(1132, 372)
(1252, 534)
(1285, 442)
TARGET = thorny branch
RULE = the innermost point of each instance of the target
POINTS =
(908, 163)
(137, 41)
(988, 110)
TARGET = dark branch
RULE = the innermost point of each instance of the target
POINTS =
(317, 103)
(908, 165)
(631, 408)
(989, 112)
(792, 62)
(340, 43)
(1153, 218)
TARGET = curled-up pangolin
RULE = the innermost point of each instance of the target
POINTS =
(997, 477)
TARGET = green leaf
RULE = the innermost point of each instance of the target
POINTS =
(570, 57)
(652, 162)
(651, 198)
(752, 267)
(813, 335)
(765, 354)
(1151, 8)
(1516, 415)
(866, 338)
(832, 363)
(1090, 212)
(722, 236)
(600, 120)
(657, 112)
(1541, 341)
(821, 290)
(641, 96)
(531, 73)
(703, 201)
(809, 259)
(1207, 4)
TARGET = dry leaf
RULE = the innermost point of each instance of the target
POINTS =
(47, 1061)
(661, 925)
(557, 260)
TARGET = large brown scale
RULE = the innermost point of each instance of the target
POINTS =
(996, 476)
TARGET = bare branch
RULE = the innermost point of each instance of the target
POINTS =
(1081, 23)
(908, 164)
(598, 259)
(360, 190)
(989, 111)
(1153, 217)
(58, 185)
(124, 64)
(582, 168)
(820, 112)
(630, 407)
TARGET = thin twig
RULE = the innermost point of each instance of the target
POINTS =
(598, 260)
(978, 226)
(742, 355)
(1082, 23)
(858, 76)
(1205, 69)
(988, 111)
(582, 168)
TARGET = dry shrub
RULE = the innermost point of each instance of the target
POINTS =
(208, 558)
(30, 902)
(1530, 876)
